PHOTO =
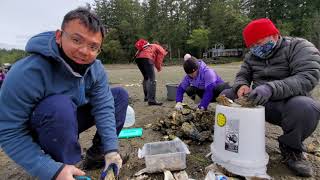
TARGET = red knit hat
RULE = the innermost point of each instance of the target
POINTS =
(140, 43)
(258, 29)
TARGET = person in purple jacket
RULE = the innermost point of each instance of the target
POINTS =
(2, 76)
(199, 80)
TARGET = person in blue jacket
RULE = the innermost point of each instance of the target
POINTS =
(59, 91)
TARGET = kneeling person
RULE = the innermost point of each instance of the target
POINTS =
(200, 80)
(59, 91)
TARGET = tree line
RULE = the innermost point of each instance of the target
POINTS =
(11, 56)
(193, 26)
(196, 25)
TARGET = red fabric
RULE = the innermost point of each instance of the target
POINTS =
(258, 29)
(140, 43)
(154, 52)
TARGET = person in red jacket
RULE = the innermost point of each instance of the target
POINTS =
(147, 57)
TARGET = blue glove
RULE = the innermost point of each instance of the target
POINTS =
(260, 95)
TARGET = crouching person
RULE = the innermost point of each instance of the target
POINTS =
(282, 71)
(201, 81)
(56, 93)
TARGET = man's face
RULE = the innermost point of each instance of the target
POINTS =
(78, 43)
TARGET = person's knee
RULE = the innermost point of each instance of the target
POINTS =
(55, 103)
(302, 111)
(56, 109)
(152, 82)
(229, 93)
(191, 91)
(302, 105)
(120, 94)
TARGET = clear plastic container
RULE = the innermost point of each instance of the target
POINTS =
(130, 117)
(164, 155)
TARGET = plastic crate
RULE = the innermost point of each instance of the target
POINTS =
(164, 155)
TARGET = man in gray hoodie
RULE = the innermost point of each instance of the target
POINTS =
(281, 71)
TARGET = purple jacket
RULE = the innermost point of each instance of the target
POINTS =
(207, 79)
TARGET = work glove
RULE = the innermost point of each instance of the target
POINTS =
(113, 159)
(178, 106)
(200, 108)
(260, 95)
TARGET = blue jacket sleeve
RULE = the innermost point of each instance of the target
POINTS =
(102, 103)
(22, 89)
(207, 96)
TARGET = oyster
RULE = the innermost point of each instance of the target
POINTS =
(244, 101)
(223, 100)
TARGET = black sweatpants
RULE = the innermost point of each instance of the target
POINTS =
(192, 91)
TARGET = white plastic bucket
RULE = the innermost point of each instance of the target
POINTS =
(239, 140)
(130, 117)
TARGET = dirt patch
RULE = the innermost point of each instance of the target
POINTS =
(129, 77)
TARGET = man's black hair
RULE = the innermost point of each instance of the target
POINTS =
(89, 19)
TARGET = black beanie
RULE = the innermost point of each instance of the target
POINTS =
(190, 65)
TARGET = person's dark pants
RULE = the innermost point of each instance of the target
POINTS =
(57, 123)
(298, 117)
(149, 83)
(192, 91)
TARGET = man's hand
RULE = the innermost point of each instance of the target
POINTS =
(261, 94)
(68, 172)
(243, 90)
(178, 106)
(113, 158)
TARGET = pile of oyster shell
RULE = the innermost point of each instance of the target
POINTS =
(188, 124)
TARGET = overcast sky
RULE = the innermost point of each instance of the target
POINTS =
(21, 19)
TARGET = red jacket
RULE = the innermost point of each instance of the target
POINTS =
(155, 53)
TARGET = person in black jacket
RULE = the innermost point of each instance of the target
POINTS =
(279, 73)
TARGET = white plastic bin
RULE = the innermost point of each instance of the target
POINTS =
(164, 155)
(239, 140)
(130, 117)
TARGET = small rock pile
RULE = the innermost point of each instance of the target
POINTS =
(188, 124)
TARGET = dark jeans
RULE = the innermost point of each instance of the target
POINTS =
(298, 117)
(146, 68)
(56, 123)
(193, 91)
